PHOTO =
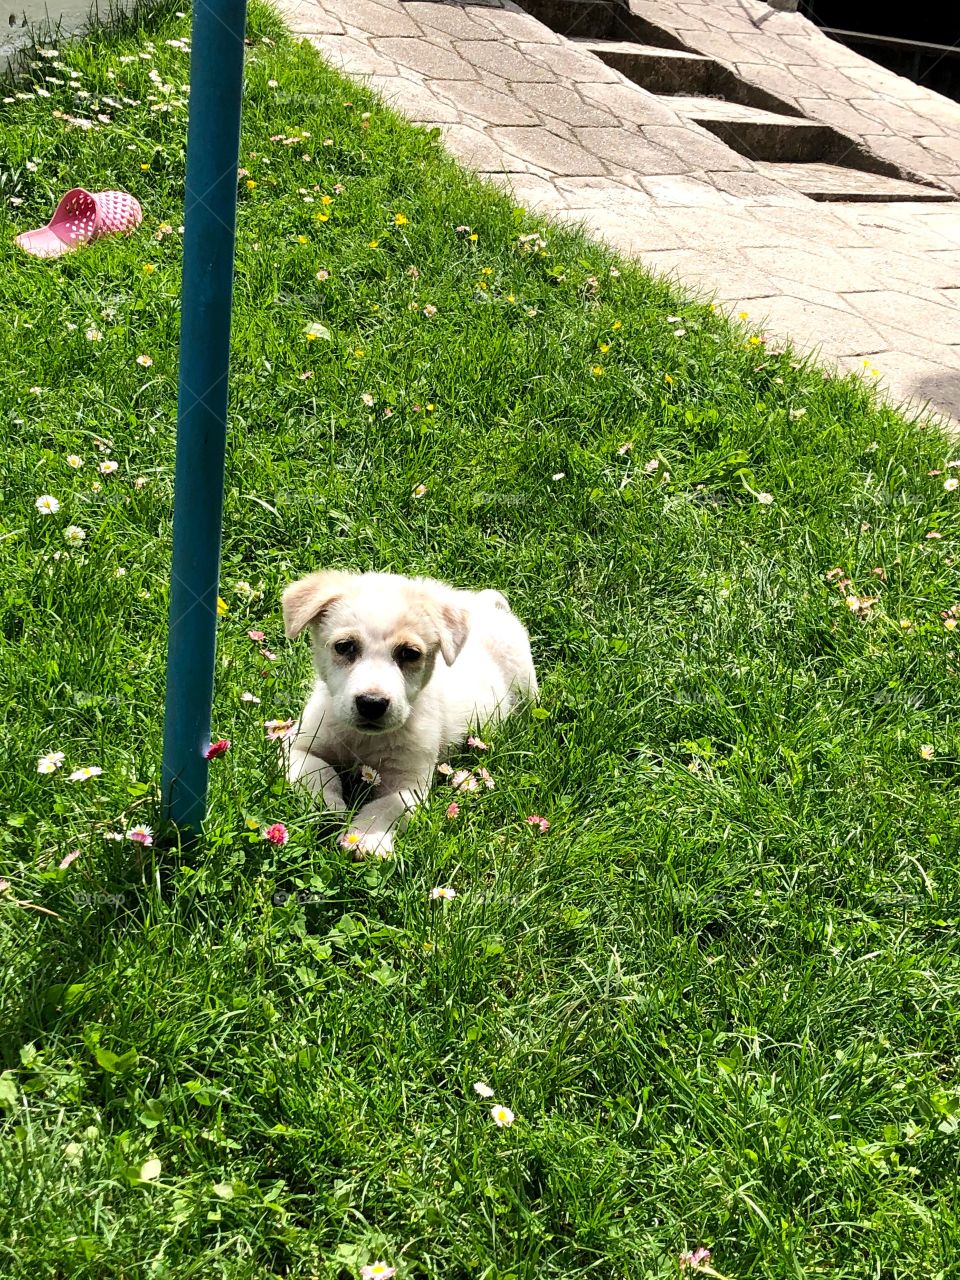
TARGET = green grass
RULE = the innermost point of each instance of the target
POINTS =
(720, 994)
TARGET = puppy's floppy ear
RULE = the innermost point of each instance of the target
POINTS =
(454, 625)
(307, 600)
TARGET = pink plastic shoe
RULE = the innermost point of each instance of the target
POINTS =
(81, 218)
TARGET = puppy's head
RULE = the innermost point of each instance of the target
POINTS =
(375, 638)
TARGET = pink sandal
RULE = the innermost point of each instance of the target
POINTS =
(81, 218)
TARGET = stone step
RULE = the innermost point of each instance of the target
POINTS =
(707, 107)
(776, 139)
(678, 72)
(599, 19)
(837, 183)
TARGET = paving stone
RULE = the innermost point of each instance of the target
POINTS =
(373, 18)
(491, 105)
(747, 184)
(564, 104)
(518, 26)
(308, 17)
(836, 331)
(684, 190)
(545, 149)
(420, 102)
(696, 147)
(451, 19)
(705, 270)
(476, 150)
(567, 62)
(433, 60)
(897, 310)
(807, 264)
(943, 145)
(503, 60)
(910, 379)
(631, 151)
(898, 119)
(354, 57)
(630, 102)
(533, 192)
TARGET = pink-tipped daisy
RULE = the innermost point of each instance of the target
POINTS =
(694, 1258)
(476, 743)
(277, 833)
(68, 859)
(482, 1089)
(140, 834)
(377, 1271)
(278, 730)
(486, 779)
(349, 840)
(51, 762)
(443, 891)
(256, 636)
(536, 821)
(453, 810)
(445, 769)
(369, 774)
(217, 749)
(502, 1117)
(463, 780)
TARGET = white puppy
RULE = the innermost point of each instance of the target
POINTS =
(406, 666)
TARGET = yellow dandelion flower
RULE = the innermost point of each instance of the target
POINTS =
(321, 217)
(604, 347)
(474, 237)
(359, 353)
(617, 324)
(373, 244)
(250, 184)
(744, 315)
(326, 199)
(303, 240)
(401, 219)
(597, 371)
(149, 268)
(222, 607)
(668, 379)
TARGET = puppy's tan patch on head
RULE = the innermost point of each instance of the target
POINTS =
(309, 599)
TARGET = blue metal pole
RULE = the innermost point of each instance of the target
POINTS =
(210, 215)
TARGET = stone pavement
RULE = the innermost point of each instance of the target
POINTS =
(766, 165)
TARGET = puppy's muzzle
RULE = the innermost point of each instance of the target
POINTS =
(370, 708)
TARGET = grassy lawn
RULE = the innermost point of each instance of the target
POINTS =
(720, 994)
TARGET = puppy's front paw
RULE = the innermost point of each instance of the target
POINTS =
(333, 798)
(365, 844)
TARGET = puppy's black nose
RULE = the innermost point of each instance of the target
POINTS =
(370, 707)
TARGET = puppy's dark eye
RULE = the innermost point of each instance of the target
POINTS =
(346, 648)
(407, 654)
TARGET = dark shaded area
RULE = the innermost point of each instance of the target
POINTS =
(897, 37)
